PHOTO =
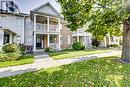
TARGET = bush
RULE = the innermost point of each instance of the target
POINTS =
(9, 48)
(22, 49)
(83, 48)
(78, 46)
(115, 45)
(95, 43)
(49, 49)
(8, 57)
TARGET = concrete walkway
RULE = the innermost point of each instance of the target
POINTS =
(44, 61)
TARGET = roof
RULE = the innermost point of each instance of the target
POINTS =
(16, 14)
(6, 29)
(38, 10)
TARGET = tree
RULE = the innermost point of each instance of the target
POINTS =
(106, 17)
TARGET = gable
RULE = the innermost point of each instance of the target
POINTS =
(47, 9)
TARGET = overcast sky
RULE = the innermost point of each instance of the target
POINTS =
(26, 5)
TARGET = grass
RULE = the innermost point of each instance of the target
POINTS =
(73, 54)
(103, 72)
(23, 60)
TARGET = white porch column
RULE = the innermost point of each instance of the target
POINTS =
(85, 42)
(48, 40)
(35, 22)
(1, 37)
(105, 42)
(34, 41)
(59, 44)
(48, 24)
(34, 34)
(10, 38)
(109, 38)
(58, 24)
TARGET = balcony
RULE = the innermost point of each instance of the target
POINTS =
(43, 28)
(81, 32)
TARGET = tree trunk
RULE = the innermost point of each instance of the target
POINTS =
(126, 42)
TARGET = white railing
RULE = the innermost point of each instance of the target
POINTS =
(53, 45)
(43, 28)
(80, 31)
(53, 28)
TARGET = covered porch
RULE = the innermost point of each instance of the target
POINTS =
(43, 41)
(7, 36)
(86, 40)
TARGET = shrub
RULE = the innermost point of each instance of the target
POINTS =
(78, 46)
(115, 45)
(8, 57)
(22, 48)
(83, 48)
(95, 43)
(3, 57)
(9, 48)
(49, 49)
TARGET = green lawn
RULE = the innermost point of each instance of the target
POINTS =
(103, 72)
(23, 60)
(73, 54)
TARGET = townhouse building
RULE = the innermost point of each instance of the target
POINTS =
(43, 27)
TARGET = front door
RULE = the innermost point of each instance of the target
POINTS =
(39, 42)
(6, 39)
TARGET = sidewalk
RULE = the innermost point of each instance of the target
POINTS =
(44, 61)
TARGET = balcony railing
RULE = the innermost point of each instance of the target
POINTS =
(81, 32)
(43, 28)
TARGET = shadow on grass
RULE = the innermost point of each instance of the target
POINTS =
(93, 73)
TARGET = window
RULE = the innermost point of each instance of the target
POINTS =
(6, 39)
(112, 39)
(69, 40)
(52, 39)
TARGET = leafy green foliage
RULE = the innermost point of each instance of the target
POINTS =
(9, 48)
(78, 46)
(113, 45)
(49, 49)
(95, 42)
(8, 56)
(103, 72)
(106, 16)
(22, 48)
(75, 11)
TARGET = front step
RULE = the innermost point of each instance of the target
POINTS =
(40, 55)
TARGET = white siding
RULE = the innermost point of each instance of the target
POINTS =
(28, 31)
(11, 22)
(48, 10)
